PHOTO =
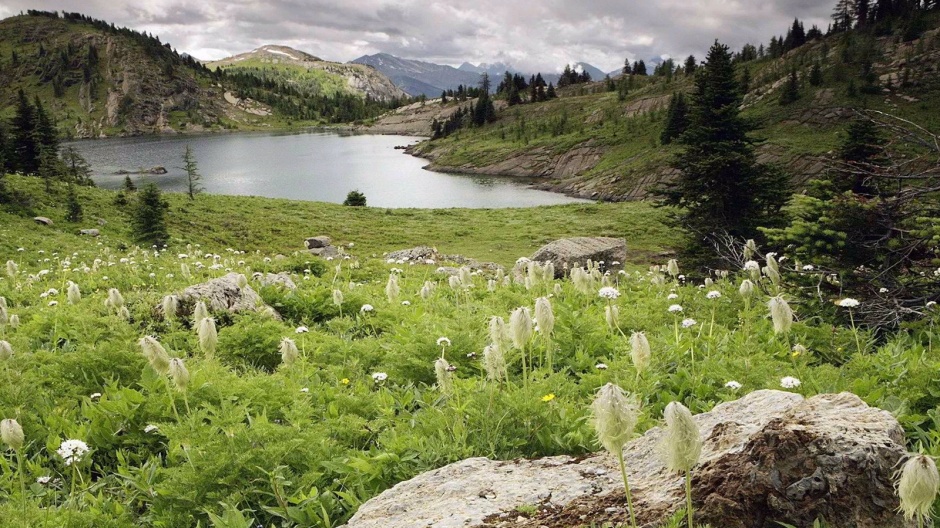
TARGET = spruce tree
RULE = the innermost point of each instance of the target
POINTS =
(720, 189)
(24, 147)
(76, 167)
(690, 65)
(815, 75)
(192, 173)
(676, 119)
(791, 89)
(149, 216)
(73, 207)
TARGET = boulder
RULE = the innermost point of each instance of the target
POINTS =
(415, 254)
(220, 295)
(43, 220)
(318, 242)
(275, 279)
(770, 456)
(89, 232)
(420, 254)
(328, 251)
(564, 253)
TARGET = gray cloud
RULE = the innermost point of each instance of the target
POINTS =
(529, 35)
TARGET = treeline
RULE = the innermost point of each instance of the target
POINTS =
(514, 86)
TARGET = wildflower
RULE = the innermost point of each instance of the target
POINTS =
(601, 366)
(848, 302)
(95, 396)
(444, 373)
(608, 292)
(6, 350)
(241, 281)
(548, 397)
(751, 265)
(682, 443)
(494, 362)
(443, 342)
(288, 350)
(675, 308)
(366, 308)
(640, 352)
(200, 312)
(56, 303)
(882, 290)
(714, 294)
(72, 451)
(115, 300)
(73, 294)
(733, 385)
(305, 390)
(672, 267)
(750, 248)
(208, 336)
(798, 350)
(544, 316)
(14, 320)
(344, 381)
(301, 330)
(150, 428)
(498, 332)
(689, 323)
(12, 434)
(615, 416)
(379, 377)
(917, 487)
(392, 289)
(809, 267)
(155, 353)
(672, 296)
(43, 480)
(12, 269)
(789, 382)
(781, 314)
(337, 298)
(612, 315)
(406, 303)
(520, 326)
(179, 374)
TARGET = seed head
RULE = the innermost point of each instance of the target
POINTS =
(466, 278)
(672, 267)
(337, 298)
(918, 485)
(200, 312)
(615, 416)
(442, 370)
(750, 248)
(12, 269)
(289, 352)
(544, 316)
(115, 300)
(494, 362)
(391, 288)
(499, 335)
(781, 314)
(12, 434)
(179, 374)
(208, 336)
(14, 320)
(155, 353)
(772, 264)
(612, 315)
(681, 445)
(640, 351)
(241, 280)
(747, 288)
(520, 326)
(170, 305)
(73, 294)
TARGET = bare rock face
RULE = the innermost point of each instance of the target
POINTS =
(566, 252)
(220, 295)
(770, 456)
(282, 279)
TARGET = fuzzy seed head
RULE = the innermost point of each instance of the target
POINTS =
(640, 351)
(781, 314)
(426, 290)
(12, 269)
(615, 416)
(673, 267)
(466, 278)
(4, 316)
(124, 313)
(612, 315)
(208, 336)
(115, 299)
(773, 275)
(681, 445)
(3, 302)
(548, 271)
(179, 374)
(747, 288)
(544, 316)
(337, 298)
(14, 321)
(184, 271)
(445, 381)
(520, 326)
(73, 294)
(200, 312)
(494, 362)
(12, 434)
(772, 264)
(155, 353)
(454, 282)
(750, 248)
(918, 485)
(499, 334)
(241, 281)
(170, 305)
(289, 352)
(391, 289)
(6, 350)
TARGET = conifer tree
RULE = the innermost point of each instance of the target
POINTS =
(24, 147)
(149, 216)
(791, 89)
(73, 207)
(676, 119)
(721, 189)
(690, 65)
(76, 167)
(815, 75)
(192, 173)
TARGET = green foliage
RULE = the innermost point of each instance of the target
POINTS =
(355, 199)
(677, 119)
(252, 342)
(791, 89)
(149, 217)
(73, 206)
(193, 187)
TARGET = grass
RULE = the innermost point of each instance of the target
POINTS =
(261, 443)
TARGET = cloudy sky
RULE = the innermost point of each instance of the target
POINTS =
(530, 35)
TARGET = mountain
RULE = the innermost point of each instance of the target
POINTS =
(595, 73)
(419, 77)
(494, 70)
(311, 73)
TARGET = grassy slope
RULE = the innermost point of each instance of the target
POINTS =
(273, 225)
(627, 132)
(312, 80)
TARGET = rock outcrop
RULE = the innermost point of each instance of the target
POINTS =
(566, 252)
(321, 246)
(42, 220)
(769, 457)
(429, 255)
(282, 279)
(220, 295)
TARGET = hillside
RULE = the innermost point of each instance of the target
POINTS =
(594, 142)
(99, 80)
(311, 74)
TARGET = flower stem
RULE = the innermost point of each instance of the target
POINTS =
(626, 487)
(19, 469)
(688, 495)
(858, 343)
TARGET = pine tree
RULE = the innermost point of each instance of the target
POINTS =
(815, 75)
(721, 189)
(676, 119)
(24, 147)
(129, 184)
(791, 89)
(73, 207)
(690, 65)
(46, 134)
(192, 173)
(550, 93)
(50, 167)
(76, 167)
(745, 81)
(149, 216)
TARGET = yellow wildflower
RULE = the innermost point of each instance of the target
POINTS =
(548, 397)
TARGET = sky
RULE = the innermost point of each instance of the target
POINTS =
(534, 35)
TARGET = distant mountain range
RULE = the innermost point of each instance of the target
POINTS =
(426, 78)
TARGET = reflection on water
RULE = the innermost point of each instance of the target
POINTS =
(317, 166)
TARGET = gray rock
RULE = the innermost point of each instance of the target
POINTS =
(415, 254)
(90, 232)
(770, 456)
(275, 279)
(43, 220)
(328, 251)
(568, 251)
(318, 242)
(420, 254)
(220, 295)
(102, 221)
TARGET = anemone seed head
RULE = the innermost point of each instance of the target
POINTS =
(681, 446)
(615, 416)
(918, 485)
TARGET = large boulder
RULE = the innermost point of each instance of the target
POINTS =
(321, 246)
(42, 220)
(564, 253)
(426, 254)
(220, 295)
(770, 456)
(282, 279)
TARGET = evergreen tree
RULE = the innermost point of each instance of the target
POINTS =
(745, 81)
(676, 119)
(24, 147)
(76, 167)
(861, 149)
(791, 89)
(50, 167)
(355, 199)
(815, 75)
(46, 134)
(550, 93)
(721, 189)
(444, 97)
(73, 207)
(149, 216)
(192, 173)
(690, 65)
(129, 184)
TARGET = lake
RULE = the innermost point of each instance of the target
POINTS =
(316, 166)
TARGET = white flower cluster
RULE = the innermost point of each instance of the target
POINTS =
(789, 382)
(72, 451)
(608, 292)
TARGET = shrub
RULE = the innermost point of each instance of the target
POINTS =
(355, 199)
